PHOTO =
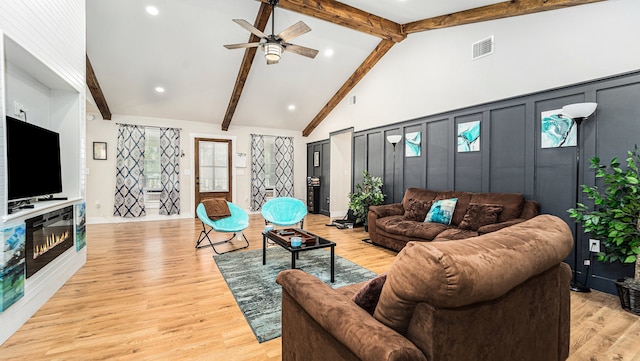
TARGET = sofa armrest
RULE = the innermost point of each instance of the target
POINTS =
(497, 226)
(345, 321)
(386, 210)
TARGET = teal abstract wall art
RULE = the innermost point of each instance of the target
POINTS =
(412, 144)
(556, 131)
(469, 136)
(81, 226)
(12, 265)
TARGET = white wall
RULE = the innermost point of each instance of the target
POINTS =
(432, 71)
(53, 35)
(101, 176)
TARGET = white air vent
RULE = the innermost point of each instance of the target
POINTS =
(482, 48)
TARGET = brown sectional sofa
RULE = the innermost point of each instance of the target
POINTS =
(393, 225)
(498, 296)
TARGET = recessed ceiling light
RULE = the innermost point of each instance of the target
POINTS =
(159, 89)
(328, 53)
(291, 107)
(152, 10)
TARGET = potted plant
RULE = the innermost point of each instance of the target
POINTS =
(614, 220)
(369, 193)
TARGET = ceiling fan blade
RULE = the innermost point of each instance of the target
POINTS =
(293, 31)
(245, 24)
(243, 45)
(301, 50)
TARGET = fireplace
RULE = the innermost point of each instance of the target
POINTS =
(48, 236)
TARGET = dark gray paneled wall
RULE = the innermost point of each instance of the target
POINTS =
(511, 158)
(468, 165)
(415, 173)
(325, 160)
(322, 171)
(437, 148)
(506, 155)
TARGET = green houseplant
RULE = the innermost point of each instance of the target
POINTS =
(614, 218)
(369, 193)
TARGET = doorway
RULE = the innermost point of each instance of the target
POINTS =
(212, 163)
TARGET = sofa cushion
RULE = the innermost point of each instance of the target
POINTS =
(400, 226)
(418, 193)
(416, 209)
(479, 214)
(441, 211)
(511, 203)
(368, 295)
(498, 226)
(464, 199)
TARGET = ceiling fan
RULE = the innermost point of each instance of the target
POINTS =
(273, 45)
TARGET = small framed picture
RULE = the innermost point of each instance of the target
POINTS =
(316, 159)
(100, 150)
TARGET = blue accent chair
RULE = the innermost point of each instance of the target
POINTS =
(237, 222)
(284, 211)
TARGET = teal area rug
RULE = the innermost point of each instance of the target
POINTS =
(260, 297)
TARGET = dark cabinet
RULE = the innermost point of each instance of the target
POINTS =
(313, 199)
(313, 195)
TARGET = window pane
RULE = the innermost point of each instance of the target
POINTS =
(222, 179)
(270, 161)
(206, 153)
(221, 154)
(206, 179)
(152, 165)
(214, 170)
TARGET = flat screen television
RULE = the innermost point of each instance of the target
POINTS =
(33, 161)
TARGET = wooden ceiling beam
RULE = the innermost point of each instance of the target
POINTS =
(347, 16)
(96, 91)
(381, 49)
(491, 12)
(249, 54)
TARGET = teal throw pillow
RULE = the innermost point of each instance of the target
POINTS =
(442, 211)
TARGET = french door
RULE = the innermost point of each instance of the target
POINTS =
(213, 178)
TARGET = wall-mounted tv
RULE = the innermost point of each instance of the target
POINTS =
(33, 161)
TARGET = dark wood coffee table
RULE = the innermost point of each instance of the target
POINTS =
(282, 237)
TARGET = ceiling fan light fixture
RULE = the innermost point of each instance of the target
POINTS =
(272, 51)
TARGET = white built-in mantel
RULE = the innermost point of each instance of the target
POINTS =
(53, 94)
(40, 207)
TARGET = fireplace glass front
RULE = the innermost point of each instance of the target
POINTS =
(48, 236)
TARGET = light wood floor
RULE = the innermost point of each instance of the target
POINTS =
(145, 293)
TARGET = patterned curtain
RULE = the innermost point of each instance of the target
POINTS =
(170, 171)
(258, 193)
(284, 167)
(129, 197)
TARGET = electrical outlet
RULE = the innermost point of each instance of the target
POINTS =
(594, 245)
(18, 108)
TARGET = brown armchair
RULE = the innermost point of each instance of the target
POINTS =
(499, 296)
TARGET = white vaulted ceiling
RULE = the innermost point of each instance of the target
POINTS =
(181, 49)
